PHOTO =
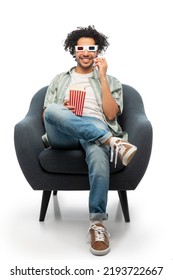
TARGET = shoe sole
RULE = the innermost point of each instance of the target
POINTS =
(100, 252)
(129, 155)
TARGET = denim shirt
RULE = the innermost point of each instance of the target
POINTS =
(58, 86)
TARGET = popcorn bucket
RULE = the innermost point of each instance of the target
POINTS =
(77, 98)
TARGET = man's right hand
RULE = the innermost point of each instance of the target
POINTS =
(68, 106)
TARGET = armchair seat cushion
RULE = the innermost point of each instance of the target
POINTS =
(68, 161)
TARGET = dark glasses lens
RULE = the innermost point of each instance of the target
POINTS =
(80, 48)
(91, 48)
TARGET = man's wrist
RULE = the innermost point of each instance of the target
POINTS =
(103, 79)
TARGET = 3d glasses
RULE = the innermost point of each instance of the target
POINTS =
(90, 48)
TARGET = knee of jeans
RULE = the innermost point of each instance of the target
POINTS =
(51, 110)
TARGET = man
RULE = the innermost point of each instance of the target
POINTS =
(93, 125)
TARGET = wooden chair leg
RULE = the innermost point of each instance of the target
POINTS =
(124, 205)
(44, 205)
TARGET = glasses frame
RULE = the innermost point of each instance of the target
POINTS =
(88, 48)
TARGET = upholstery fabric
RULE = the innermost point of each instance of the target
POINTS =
(52, 160)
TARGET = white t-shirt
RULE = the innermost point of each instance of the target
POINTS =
(91, 108)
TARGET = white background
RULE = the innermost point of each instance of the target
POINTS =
(140, 54)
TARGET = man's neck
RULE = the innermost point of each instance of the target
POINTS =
(83, 70)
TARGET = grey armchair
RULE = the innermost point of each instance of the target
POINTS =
(51, 170)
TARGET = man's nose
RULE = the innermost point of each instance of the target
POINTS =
(85, 52)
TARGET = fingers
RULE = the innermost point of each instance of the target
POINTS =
(100, 61)
(101, 65)
(68, 106)
(66, 102)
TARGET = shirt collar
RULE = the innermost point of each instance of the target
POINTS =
(95, 73)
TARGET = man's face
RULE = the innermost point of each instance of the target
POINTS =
(85, 57)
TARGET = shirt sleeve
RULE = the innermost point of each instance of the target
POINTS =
(117, 92)
(50, 96)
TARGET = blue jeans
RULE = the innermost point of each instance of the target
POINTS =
(65, 129)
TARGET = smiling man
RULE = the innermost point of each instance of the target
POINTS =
(80, 110)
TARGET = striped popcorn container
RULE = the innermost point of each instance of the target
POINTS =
(77, 99)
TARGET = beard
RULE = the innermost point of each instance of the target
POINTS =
(85, 62)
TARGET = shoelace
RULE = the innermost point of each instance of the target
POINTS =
(116, 148)
(100, 232)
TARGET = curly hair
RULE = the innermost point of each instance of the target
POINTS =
(87, 32)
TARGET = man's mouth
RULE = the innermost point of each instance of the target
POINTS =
(85, 59)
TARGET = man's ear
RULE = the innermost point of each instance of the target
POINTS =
(74, 56)
(97, 53)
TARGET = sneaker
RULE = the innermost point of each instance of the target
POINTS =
(99, 240)
(124, 149)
